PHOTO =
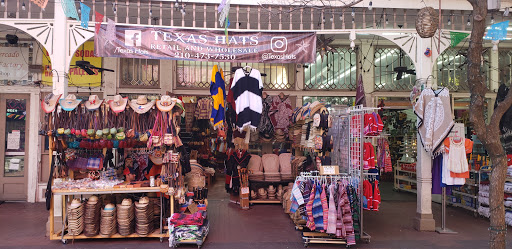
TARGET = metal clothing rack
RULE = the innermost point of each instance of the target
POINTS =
(356, 160)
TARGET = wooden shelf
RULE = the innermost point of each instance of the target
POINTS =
(408, 190)
(406, 179)
(465, 194)
(265, 201)
(155, 234)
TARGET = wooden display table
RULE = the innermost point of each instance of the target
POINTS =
(60, 235)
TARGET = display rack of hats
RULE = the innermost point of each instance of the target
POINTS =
(85, 135)
(267, 176)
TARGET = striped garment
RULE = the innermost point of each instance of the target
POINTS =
(354, 205)
(218, 92)
(325, 207)
(204, 108)
(305, 194)
(309, 210)
(332, 215)
(344, 225)
(318, 212)
(296, 197)
(247, 90)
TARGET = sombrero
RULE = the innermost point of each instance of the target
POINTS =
(69, 103)
(141, 104)
(50, 102)
(93, 103)
(165, 104)
(118, 104)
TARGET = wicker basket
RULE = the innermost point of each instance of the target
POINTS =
(427, 22)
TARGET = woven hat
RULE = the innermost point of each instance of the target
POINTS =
(69, 103)
(118, 104)
(93, 103)
(285, 163)
(270, 163)
(165, 104)
(50, 102)
(254, 165)
(178, 103)
(315, 107)
(141, 104)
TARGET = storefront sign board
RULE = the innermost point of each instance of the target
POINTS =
(13, 63)
(207, 45)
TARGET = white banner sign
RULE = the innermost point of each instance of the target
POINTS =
(13, 63)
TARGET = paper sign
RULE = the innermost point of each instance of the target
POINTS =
(329, 170)
(13, 140)
(244, 190)
(14, 166)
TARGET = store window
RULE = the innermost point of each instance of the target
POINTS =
(335, 70)
(275, 76)
(452, 69)
(505, 66)
(394, 70)
(332, 100)
(197, 74)
(140, 72)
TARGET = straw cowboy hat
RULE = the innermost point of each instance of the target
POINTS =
(165, 104)
(141, 104)
(50, 102)
(118, 104)
(93, 103)
(69, 103)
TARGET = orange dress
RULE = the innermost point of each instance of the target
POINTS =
(468, 145)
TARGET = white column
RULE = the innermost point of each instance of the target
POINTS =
(166, 75)
(110, 78)
(367, 71)
(424, 220)
(33, 147)
(494, 82)
(58, 56)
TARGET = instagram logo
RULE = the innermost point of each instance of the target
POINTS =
(279, 44)
(132, 38)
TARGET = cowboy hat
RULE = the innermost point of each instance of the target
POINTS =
(69, 103)
(118, 104)
(178, 103)
(50, 102)
(93, 103)
(141, 104)
(165, 104)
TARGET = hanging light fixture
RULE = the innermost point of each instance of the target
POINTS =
(449, 21)
(353, 12)
(150, 12)
(31, 45)
(23, 6)
(469, 22)
(2, 3)
(341, 16)
(114, 8)
(387, 21)
(506, 12)
(332, 18)
(492, 18)
(79, 9)
(323, 19)
(370, 5)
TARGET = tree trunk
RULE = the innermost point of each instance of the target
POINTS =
(488, 134)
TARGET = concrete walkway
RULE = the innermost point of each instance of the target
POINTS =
(22, 225)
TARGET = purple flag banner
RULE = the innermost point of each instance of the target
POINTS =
(205, 45)
(86, 10)
(360, 95)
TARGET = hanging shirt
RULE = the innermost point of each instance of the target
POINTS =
(218, 92)
(281, 111)
(247, 90)
(204, 108)
(435, 117)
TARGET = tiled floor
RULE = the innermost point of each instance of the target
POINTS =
(22, 225)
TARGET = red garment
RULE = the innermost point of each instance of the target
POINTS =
(179, 219)
(369, 123)
(368, 195)
(376, 196)
(369, 156)
(378, 125)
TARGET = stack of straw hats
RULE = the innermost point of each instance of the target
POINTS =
(143, 217)
(125, 217)
(75, 217)
(108, 222)
(92, 216)
(255, 169)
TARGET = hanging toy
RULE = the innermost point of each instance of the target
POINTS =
(428, 53)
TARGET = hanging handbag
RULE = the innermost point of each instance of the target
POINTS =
(169, 136)
(156, 132)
